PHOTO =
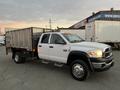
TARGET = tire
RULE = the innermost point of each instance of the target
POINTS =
(79, 70)
(118, 46)
(17, 58)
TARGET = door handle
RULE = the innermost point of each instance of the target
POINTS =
(50, 46)
(40, 45)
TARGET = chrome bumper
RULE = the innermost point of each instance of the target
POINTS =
(102, 65)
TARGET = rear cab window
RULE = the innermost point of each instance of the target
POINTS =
(45, 38)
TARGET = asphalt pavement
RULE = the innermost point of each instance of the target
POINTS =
(34, 75)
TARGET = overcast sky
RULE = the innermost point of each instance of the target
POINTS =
(62, 12)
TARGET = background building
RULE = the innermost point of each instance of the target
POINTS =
(108, 15)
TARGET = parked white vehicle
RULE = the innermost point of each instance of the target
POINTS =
(2, 40)
(60, 48)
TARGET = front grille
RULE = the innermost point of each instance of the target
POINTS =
(107, 50)
(107, 53)
(108, 61)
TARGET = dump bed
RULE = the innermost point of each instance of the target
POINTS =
(23, 38)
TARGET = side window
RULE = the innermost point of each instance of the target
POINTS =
(45, 38)
(56, 39)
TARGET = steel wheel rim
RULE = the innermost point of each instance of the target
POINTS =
(78, 70)
(16, 58)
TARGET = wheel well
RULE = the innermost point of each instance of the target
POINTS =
(17, 50)
(23, 52)
(14, 50)
(73, 57)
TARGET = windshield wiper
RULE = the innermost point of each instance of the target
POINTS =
(75, 41)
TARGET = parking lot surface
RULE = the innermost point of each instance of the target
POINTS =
(33, 75)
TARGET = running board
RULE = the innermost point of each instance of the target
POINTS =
(58, 64)
(45, 62)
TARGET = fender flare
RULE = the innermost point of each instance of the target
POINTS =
(80, 53)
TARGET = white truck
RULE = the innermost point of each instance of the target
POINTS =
(103, 31)
(60, 48)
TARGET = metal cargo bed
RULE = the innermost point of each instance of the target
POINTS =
(23, 38)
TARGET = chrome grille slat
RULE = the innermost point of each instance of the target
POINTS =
(107, 53)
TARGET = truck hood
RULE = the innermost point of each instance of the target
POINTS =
(91, 45)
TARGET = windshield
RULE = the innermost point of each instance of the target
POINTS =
(72, 38)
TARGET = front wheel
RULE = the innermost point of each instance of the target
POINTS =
(17, 58)
(79, 70)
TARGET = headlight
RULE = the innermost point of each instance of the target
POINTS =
(95, 53)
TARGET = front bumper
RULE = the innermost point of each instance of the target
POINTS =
(102, 64)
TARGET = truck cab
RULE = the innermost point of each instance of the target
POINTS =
(72, 50)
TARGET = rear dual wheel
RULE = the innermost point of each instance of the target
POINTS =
(18, 58)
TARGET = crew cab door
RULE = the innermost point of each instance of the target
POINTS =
(58, 49)
(43, 46)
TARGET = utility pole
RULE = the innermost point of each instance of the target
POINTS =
(50, 23)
